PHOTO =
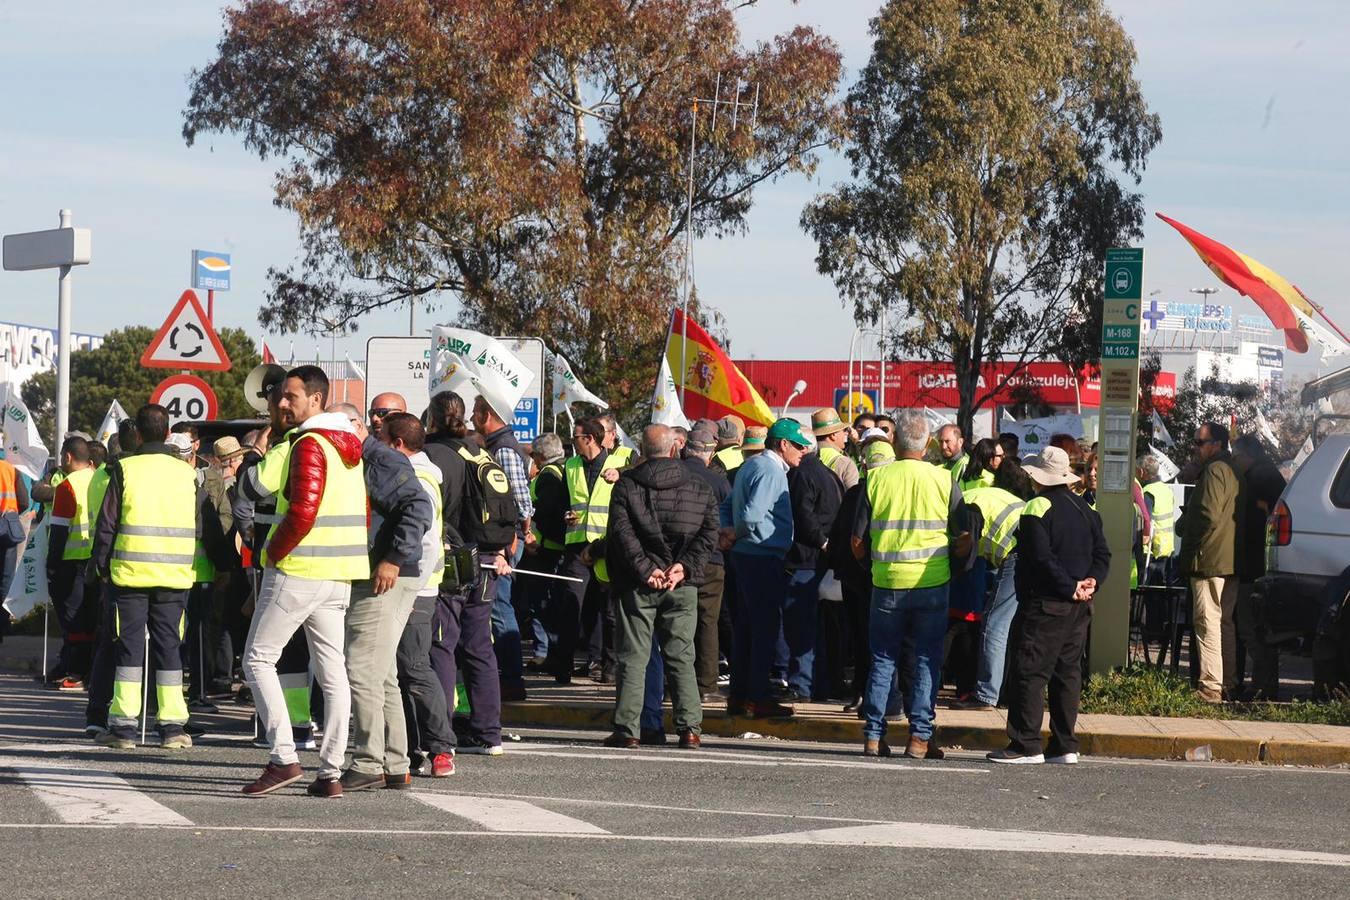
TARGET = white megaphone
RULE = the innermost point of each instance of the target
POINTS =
(260, 382)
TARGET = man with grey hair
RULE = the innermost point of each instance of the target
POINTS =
(543, 543)
(910, 521)
(662, 526)
(698, 452)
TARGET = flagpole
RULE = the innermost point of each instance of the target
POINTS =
(688, 250)
(1322, 312)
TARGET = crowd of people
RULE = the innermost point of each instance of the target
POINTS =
(395, 575)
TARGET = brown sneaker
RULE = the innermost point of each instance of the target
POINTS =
(324, 787)
(877, 748)
(274, 778)
(398, 782)
(921, 749)
(1208, 696)
(689, 740)
(353, 780)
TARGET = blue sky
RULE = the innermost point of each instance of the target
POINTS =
(1255, 152)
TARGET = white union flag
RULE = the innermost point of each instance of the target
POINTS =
(470, 362)
(666, 408)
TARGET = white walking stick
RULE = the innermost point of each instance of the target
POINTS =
(145, 687)
(46, 637)
(491, 568)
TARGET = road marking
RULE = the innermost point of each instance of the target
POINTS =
(736, 759)
(914, 835)
(502, 815)
(923, 836)
(88, 797)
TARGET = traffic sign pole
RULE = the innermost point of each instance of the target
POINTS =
(211, 307)
(1117, 428)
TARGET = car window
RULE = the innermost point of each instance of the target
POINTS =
(1340, 485)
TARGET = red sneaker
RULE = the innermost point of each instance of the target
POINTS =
(442, 765)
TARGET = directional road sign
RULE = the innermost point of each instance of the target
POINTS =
(187, 398)
(186, 340)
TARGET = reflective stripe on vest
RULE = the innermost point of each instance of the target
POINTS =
(80, 540)
(1002, 510)
(910, 503)
(1164, 518)
(335, 548)
(731, 457)
(592, 508)
(157, 529)
(433, 489)
(556, 472)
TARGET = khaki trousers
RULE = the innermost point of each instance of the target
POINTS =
(1215, 600)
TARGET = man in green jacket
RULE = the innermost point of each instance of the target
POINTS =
(1209, 531)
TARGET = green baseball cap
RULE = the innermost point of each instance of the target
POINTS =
(789, 430)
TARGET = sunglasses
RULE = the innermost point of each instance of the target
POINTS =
(381, 412)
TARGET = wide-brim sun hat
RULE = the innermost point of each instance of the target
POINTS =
(1049, 468)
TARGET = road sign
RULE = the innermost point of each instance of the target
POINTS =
(210, 270)
(186, 340)
(187, 398)
(1122, 311)
(1124, 273)
(400, 365)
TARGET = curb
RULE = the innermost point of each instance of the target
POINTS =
(597, 716)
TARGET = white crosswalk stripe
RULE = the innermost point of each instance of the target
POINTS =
(88, 797)
(924, 836)
(511, 816)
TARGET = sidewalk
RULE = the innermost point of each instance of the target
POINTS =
(586, 705)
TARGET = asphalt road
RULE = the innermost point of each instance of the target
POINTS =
(559, 816)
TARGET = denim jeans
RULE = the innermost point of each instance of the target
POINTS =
(655, 691)
(761, 584)
(997, 620)
(920, 613)
(505, 630)
(800, 611)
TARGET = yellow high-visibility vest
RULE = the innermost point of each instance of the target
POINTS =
(80, 541)
(1002, 510)
(910, 503)
(335, 548)
(437, 525)
(157, 531)
(731, 458)
(1164, 518)
(620, 457)
(553, 470)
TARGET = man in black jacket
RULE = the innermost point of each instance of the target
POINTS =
(816, 493)
(1062, 557)
(662, 526)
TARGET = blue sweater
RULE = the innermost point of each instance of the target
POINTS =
(760, 508)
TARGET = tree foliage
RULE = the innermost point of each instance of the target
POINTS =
(114, 372)
(528, 160)
(990, 144)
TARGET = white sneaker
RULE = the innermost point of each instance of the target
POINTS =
(1013, 758)
(1066, 759)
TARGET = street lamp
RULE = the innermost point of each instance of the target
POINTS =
(797, 390)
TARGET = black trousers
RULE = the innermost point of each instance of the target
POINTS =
(565, 611)
(462, 645)
(1046, 643)
(195, 651)
(76, 615)
(424, 707)
(100, 683)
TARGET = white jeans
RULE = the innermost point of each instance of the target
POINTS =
(285, 604)
(1215, 601)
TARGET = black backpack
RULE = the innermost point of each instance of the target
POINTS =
(490, 512)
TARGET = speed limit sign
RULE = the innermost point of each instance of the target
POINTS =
(186, 397)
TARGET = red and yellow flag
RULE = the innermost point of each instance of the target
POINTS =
(1277, 298)
(713, 386)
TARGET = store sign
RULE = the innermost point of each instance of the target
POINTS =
(29, 349)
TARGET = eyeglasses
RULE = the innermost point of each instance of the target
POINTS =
(381, 412)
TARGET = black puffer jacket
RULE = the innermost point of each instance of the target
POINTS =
(660, 514)
(816, 493)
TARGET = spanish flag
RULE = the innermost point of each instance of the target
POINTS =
(713, 386)
(1279, 300)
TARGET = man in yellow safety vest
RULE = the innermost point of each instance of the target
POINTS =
(144, 541)
(70, 542)
(313, 554)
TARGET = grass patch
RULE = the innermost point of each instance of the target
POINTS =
(1141, 690)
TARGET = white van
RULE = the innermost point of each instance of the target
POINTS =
(1302, 599)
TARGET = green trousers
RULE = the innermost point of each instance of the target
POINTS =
(672, 615)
